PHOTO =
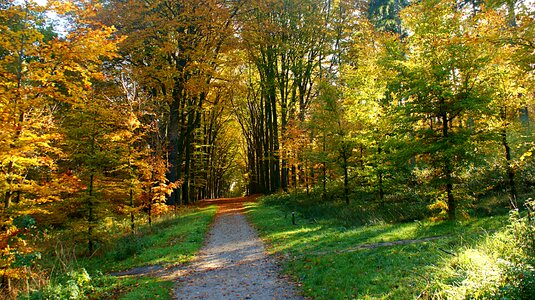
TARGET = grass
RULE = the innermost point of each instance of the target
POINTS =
(322, 255)
(132, 288)
(171, 241)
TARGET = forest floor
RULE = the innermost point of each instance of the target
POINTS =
(217, 254)
(233, 263)
(398, 260)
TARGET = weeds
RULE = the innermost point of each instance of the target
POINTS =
(361, 211)
(128, 246)
(73, 285)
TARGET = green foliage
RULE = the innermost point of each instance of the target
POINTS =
(73, 285)
(171, 240)
(501, 266)
(325, 256)
(128, 246)
(25, 259)
(24, 222)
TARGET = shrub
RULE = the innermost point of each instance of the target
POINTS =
(74, 285)
(502, 267)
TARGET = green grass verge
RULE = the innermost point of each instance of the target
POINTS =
(322, 255)
(171, 241)
(132, 288)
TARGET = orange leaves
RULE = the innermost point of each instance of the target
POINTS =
(77, 59)
(39, 77)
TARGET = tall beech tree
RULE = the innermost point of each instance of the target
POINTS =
(446, 97)
(88, 120)
(512, 84)
(370, 107)
(27, 135)
(337, 141)
(27, 131)
(174, 49)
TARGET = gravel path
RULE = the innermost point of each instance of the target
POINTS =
(233, 263)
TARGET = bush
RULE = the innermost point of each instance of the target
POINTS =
(74, 285)
(502, 267)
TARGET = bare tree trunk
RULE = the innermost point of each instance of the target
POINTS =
(380, 175)
(510, 171)
(132, 224)
(448, 171)
(90, 217)
(346, 180)
(324, 169)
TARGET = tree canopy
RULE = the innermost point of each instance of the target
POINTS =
(128, 109)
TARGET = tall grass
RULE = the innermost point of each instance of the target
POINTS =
(501, 266)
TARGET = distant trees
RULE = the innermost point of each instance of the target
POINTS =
(397, 94)
(415, 89)
(287, 44)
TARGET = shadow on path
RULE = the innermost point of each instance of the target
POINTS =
(233, 263)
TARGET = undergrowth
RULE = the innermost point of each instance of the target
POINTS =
(337, 258)
(363, 209)
(170, 241)
(500, 266)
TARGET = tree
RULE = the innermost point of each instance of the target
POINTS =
(444, 91)
(330, 121)
(27, 130)
(371, 109)
(288, 43)
(174, 50)
(512, 89)
(85, 118)
(41, 74)
(385, 14)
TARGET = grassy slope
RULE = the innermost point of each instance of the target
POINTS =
(316, 253)
(169, 242)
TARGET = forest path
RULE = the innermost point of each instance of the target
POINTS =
(233, 263)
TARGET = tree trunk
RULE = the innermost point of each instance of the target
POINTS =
(7, 199)
(380, 175)
(132, 224)
(346, 180)
(90, 217)
(449, 191)
(276, 151)
(175, 151)
(510, 171)
(187, 171)
(448, 170)
(324, 169)
(149, 202)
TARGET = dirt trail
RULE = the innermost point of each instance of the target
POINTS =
(233, 263)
